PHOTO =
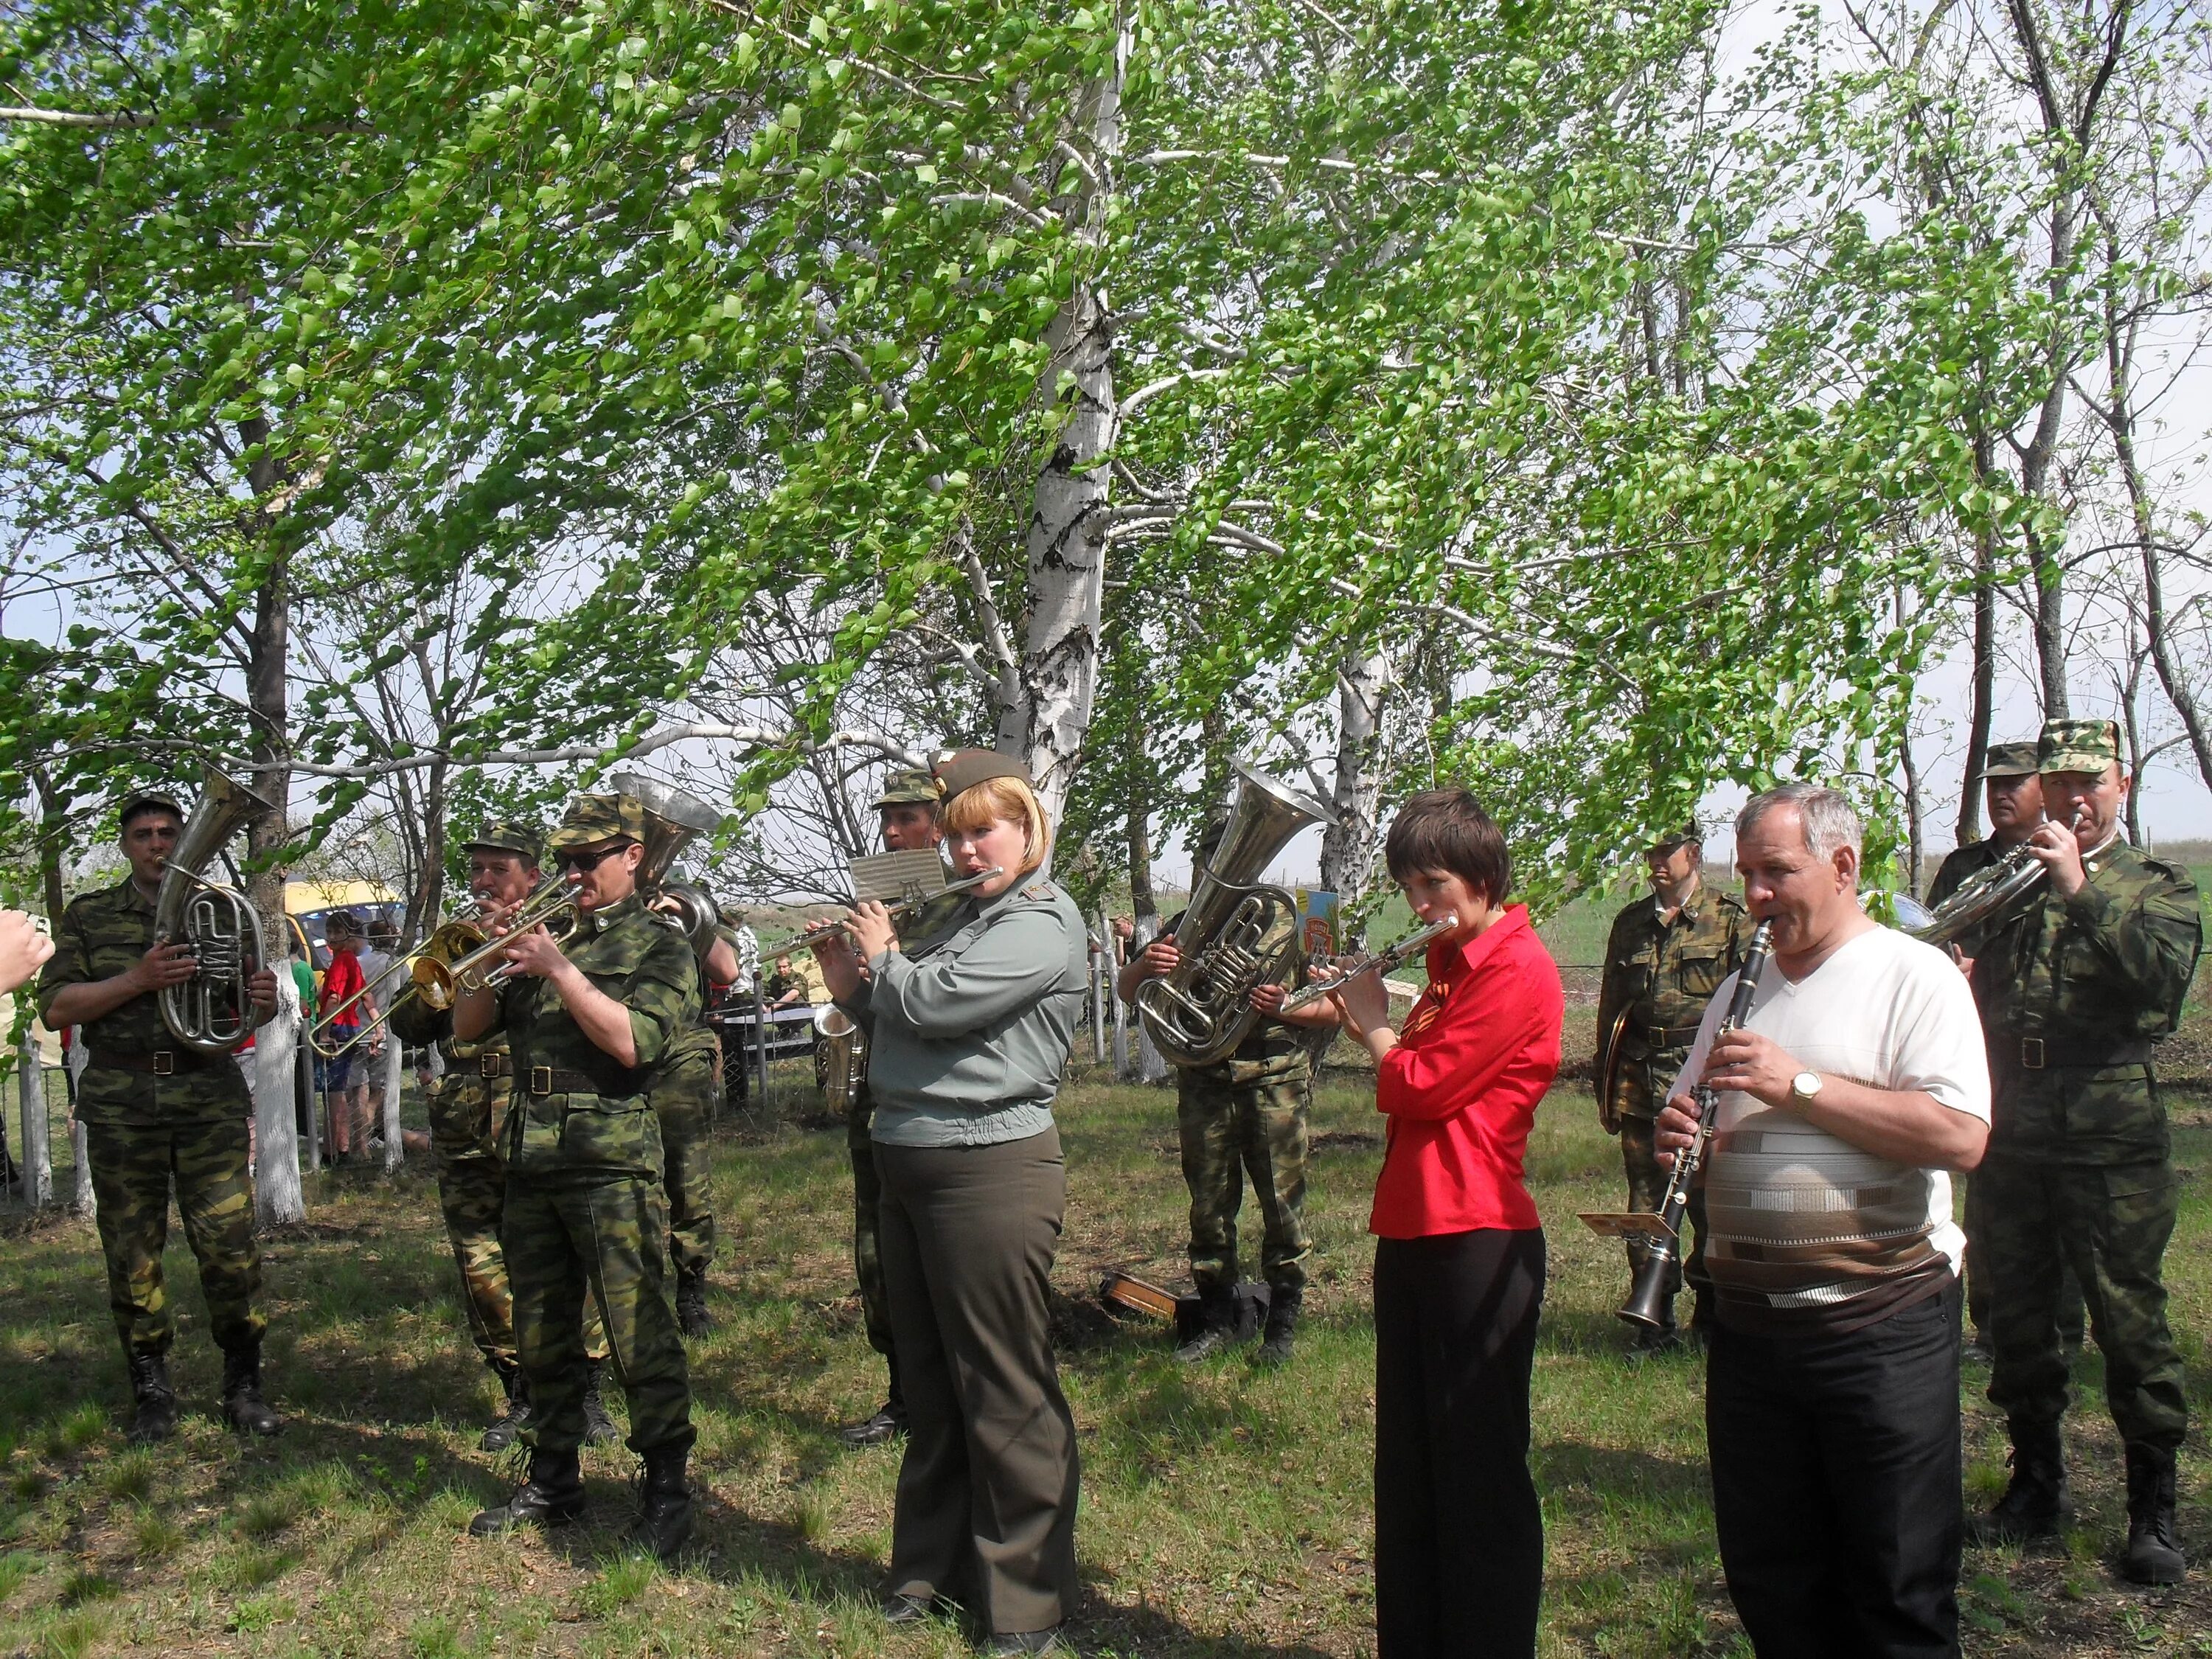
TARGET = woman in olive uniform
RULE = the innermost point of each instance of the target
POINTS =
(969, 1029)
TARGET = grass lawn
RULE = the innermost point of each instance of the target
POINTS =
(1225, 1511)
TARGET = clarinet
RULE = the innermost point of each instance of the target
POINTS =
(1648, 1298)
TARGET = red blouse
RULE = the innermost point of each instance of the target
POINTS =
(1473, 1058)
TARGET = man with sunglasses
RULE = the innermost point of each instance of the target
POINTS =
(591, 1014)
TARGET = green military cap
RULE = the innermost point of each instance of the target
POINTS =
(509, 835)
(1690, 834)
(147, 800)
(909, 788)
(1210, 836)
(593, 819)
(2011, 760)
(963, 769)
(2079, 746)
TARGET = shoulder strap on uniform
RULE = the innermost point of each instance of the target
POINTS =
(1038, 892)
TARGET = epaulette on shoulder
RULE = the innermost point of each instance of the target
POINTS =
(2171, 872)
(1730, 901)
(1039, 893)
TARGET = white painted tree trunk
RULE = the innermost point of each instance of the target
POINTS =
(37, 1158)
(394, 1154)
(1347, 847)
(85, 1203)
(1151, 1064)
(277, 1196)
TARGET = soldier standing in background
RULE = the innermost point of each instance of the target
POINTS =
(590, 1016)
(906, 812)
(2075, 989)
(684, 1091)
(2012, 786)
(468, 1117)
(1245, 1114)
(1664, 958)
(155, 1111)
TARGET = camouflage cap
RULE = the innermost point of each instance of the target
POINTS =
(147, 800)
(509, 835)
(2011, 760)
(909, 788)
(963, 769)
(1692, 834)
(1209, 835)
(2079, 746)
(591, 819)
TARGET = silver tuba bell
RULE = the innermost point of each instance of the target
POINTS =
(211, 1012)
(1200, 1012)
(1986, 897)
(673, 819)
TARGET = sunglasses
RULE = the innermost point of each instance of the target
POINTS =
(585, 858)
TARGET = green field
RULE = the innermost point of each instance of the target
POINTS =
(1226, 1511)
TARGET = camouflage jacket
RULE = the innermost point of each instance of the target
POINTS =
(1959, 864)
(1663, 974)
(1272, 1051)
(593, 1118)
(469, 1109)
(2106, 967)
(102, 934)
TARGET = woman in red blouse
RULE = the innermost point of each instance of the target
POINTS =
(1459, 1266)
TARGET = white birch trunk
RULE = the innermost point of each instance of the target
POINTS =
(1347, 847)
(37, 1157)
(86, 1203)
(278, 1198)
(1151, 1064)
(394, 1154)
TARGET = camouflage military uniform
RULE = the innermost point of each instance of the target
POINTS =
(584, 1204)
(1661, 973)
(1248, 1114)
(2074, 992)
(153, 1111)
(684, 1100)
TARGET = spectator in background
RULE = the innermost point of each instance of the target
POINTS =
(340, 1076)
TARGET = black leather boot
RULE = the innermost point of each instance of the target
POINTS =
(886, 1425)
(553, 1496)
(2153, 1553)
(664, 1519)
(514, 1415)
(1217, 1325)
(2038, 1503)
(691, 1315)
(152, 1398)
(599, 1428)
(243, 1407)
(1276, 1340)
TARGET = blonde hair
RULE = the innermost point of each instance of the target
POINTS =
(1002, 799)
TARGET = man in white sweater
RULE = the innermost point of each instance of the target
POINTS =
(1856, 1084)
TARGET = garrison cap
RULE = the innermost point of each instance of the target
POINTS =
(147, 800)
(591, 819)
(909, 788)
(963, 769)
(509, 835)
(2078, 745)
(2011, 760)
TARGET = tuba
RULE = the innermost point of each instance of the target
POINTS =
(211, 1012)
(1982, 899)
(672, 820)
(1197, 1014)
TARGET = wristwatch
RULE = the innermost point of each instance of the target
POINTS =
(1805, 1086)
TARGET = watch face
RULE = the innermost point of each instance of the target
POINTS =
(1805, 1085)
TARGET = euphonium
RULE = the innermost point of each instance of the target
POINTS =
(1982, 899)
(1647, 1304)
(212, 1011)
(672, 820)
(1200, 1012)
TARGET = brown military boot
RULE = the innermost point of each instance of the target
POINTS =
(152, 1398)
(243, 1407)
(2037, 1503)
(2153, 1553)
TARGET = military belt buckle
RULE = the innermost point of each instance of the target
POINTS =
(2031, 1054)
(541, 1079)
(489, 1067)
(164, 1063)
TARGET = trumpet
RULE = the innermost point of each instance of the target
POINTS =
(447, 943)
(437, 980)
(1394, 955)
(822, 933)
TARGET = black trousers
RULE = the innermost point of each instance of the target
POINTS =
(1459, 1535)
(1836, 1472)
(986, 1508)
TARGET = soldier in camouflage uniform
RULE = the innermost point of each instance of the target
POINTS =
(1246, 1113)
(2012, 784)
(468, 1114)
(155, 1111)
(684, 1091)
(1664, 958)
(590, 1017)
(906, 813)
(2075, 988)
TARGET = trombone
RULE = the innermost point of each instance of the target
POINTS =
(822, 932)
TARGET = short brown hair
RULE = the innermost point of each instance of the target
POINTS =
(1447, 830)
(999, 798)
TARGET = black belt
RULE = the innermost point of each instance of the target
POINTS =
(1669, 1036)
(552, 1080)
(162, 1063)
(490, 1067)
(2040, 1054)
